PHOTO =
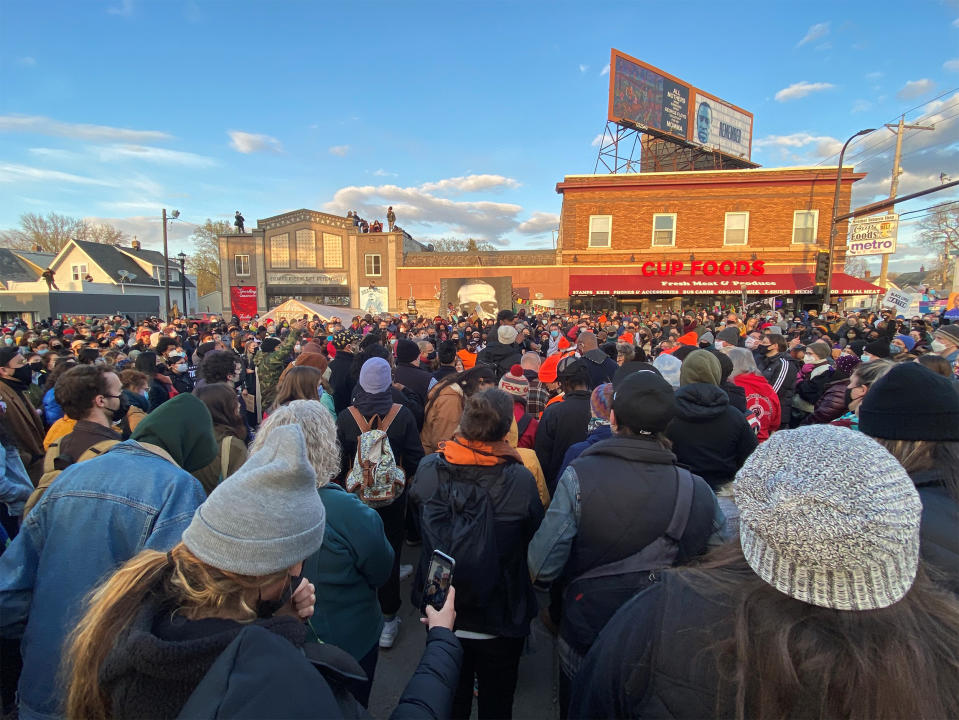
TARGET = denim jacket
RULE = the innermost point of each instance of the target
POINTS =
(15, 484)
(96, 516)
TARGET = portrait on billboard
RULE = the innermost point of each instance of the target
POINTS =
(721, 126)
(479, 297)
(952, 306)
(374, 300)
(643, 95)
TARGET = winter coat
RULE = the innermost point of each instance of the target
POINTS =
(212, 475)
(780, 372)
(501, 357)
(562, 425)
(736, 395)
(939, 531)
(809, 390)
(341, 380)
(414, 378)
(762, 400)
(831, 405)
(601, 367)
(444, 410)
(402, 434)
(531, 463)
(51, 408)
(270, 365)
(528, 438)
(517, 513)
(160, 387)
(709, 437)
(25, 426)
(600, 432)
(353, 562)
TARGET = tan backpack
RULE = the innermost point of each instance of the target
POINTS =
(50, 472)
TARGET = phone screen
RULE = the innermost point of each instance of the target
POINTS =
(438, 580)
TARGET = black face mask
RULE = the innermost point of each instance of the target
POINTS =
(36, 366)
(121, 411)
(23, 374)
(848, 397)
(268, 608)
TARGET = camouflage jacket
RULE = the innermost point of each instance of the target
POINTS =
(270, 365)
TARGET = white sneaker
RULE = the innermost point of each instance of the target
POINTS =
(390, 630)
(405, 572)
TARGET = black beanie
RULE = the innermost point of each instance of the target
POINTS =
(911, 402)
(644, 403)
(879, 348)
(270, 344)
(406, 350)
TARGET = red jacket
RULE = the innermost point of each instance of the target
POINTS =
(528, 438)
(763, 400)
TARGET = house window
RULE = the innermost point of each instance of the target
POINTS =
(305, 249)
(737, 228)
(241, 264)
(373, 265)
(664, 230)
(599, 230)
(78, 272)
(280, 250)
(332, 251)
(805, 225)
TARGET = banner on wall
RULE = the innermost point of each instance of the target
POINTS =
(374, 300)
(483, 297)
(243, 301)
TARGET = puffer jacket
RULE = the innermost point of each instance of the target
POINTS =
(709, 436)
(938, 536)
(444, 410)
(831, 405)
(499, 356)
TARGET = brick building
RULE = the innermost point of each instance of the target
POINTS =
(311, 256)
(647, 240)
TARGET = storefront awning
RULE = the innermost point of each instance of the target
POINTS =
(785, 284)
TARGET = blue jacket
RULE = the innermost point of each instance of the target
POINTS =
(601, 432)
(15, 484)
(96, 516)
(353, 562)
(51, 408)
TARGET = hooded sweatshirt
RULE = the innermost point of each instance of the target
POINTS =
(183, 428)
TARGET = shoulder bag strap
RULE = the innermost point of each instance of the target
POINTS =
(390, 416)
(225, 446)
(677, 526)
(361, 422)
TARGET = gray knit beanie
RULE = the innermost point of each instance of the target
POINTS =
(376, 375)
(266, 516)
(829, 517)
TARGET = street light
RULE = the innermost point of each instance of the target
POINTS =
(835, 212)
(182, 258)
(166, 261)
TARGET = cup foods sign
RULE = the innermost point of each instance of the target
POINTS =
(873, 235)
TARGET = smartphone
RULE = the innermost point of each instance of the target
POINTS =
(439, 577)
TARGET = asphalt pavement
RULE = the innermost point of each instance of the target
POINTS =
(535, 690)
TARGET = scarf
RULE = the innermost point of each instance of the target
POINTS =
(370, 404)
(460, 451)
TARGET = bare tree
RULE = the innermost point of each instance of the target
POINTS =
(940, 231)
(52, 231)
(204, 262)
(855, 266)
(451, 244)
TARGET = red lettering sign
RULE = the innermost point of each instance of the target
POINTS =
(243, 301)
(725, 268)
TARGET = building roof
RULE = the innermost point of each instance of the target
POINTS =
(112, 259)
(41, 259)
(15, 269)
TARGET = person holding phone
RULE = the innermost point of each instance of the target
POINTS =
(496, 598)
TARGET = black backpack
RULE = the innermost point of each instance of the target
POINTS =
(592, 598)
(458, 520)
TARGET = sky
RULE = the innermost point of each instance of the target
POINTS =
(462, 115)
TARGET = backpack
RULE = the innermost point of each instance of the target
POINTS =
(592, 598)
(374, 477)
(50, 472)
(459, 520)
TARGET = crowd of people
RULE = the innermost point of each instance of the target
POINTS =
(716, 513)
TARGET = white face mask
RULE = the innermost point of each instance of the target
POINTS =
(809, 359)
(719, 344)
(938, 346)
(751, 342)
(296, 348)
(181, 368)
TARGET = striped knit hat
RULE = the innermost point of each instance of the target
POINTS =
(515, 383)
(601, 401)
(829, 517)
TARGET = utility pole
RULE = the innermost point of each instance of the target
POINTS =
(896, 170)
(166, 270)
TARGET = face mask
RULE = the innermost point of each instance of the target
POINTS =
(865, 358)
(751, 342)
(146, 394)
(809, 359)
(36, 366)
(848, 397)
(24, 374)
(268, 608)
(8, 341)
(296, 348)
(180, 368)
(554, 333)
(119, 343)
(719, 344)
(894, 349)
(122, 409)
(42, 351)
(938, 346)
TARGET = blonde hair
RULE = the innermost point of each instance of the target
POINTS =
(319, 429)
(180, 579)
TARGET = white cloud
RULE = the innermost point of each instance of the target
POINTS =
(861, 106)
(39, 125)
(951, 65)
(539, 223)
(10, 172)
(819, 145)
(159, 156)
(605, 70)
(873, 75)
(583, 68)
(421, 207)
(819, 30)
(915, 88)
(125, 8)
(384, 173)
(469, 183)
(54, 153)
(801, 89)
(339, 150)
(598, 140)
(247, 143)
(26, 61)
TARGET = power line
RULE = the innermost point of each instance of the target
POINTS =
(931, 207)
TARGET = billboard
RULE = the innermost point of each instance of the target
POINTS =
(483, 297)
(243, 301)
(645, 95)
(721, 126)
(873, 235)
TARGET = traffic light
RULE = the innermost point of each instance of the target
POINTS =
(822, 267)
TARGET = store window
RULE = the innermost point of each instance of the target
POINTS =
(373, 266)
(305, 249)
(241, 264)
(280, 250)
(664, 230)
(737, 228)
(805, 225)
(599, 230)
(78, 272)
(332, 251)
